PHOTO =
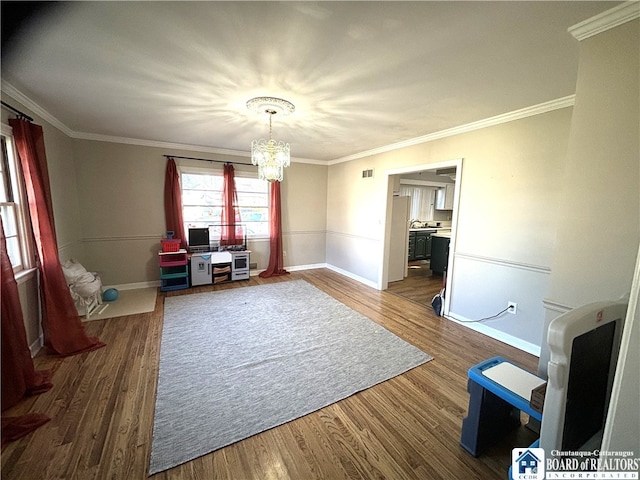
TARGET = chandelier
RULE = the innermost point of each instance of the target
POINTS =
(270, 156)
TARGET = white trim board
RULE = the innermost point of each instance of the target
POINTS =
(607, 20)
(45, 115)
(538, 109)
(564, 102)
(357, 278)
(496, 334)
(478, 327)
(133, 286)
(505, 263)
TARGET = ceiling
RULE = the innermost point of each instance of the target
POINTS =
(362, 75)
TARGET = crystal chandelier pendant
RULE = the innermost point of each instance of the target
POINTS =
(270, 156)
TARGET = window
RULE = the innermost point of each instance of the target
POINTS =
(422, 201)
(11, 204)
(202, 201)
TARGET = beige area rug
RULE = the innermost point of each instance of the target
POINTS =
(237, 362)
(129, 302)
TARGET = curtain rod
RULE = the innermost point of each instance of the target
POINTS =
(16, 111)
(205, 159)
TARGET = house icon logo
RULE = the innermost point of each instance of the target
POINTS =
(527, 464)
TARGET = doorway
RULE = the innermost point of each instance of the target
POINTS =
(410, 283)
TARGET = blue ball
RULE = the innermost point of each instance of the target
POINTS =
(110, 294)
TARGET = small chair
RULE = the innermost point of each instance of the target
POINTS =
(85, 287)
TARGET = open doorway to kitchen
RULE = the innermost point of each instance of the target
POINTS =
(420, 230)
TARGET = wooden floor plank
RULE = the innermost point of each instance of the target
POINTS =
(102, 404)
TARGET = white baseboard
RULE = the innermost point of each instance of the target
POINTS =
(295, 268)
(134, 286)
(357, 278)
(497, 334)
(478, 327)
(311, 266)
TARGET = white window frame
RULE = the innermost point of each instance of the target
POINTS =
(214, 170)
(19, 203)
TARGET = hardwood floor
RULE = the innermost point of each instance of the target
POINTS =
(102, 404)
(420, 285)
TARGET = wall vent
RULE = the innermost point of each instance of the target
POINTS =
(367, 173)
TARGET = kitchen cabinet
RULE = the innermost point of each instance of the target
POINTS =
(444, 197)
(420, 244)
(412, 246)
(439, 253)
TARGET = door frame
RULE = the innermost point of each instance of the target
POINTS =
(383, 267)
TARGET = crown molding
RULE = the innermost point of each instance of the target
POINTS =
(96, 137)
(176, 146)
(17, 95)
(545, 107)
(20, 97)
(541, 108)
(606, 20)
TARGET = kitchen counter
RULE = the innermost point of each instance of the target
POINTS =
(431, 229)
(444, 234)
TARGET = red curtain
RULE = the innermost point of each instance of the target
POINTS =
(19, 378)
(275, 267)
(173, 202)
(63, 330)
(231, 231)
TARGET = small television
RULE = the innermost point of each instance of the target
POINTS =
(199, 239)
(584, 344)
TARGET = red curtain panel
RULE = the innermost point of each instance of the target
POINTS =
(173, 202)
(64, 333)
(231, 233)
(19, 378)
(276, 263)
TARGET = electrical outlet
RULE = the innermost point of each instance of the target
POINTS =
(512, 307)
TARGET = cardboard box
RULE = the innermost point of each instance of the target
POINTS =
(537, 397)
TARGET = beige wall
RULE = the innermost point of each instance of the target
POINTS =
(59, 149)
(549, 206)
(603, 189)
(121, 190)
(599, 224)
(62, 177)
(355, 216)
(599, 218)
(510, 187)
(304, 215)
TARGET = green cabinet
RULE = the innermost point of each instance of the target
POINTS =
(439, 253)
(412, 246)
(420, 244)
